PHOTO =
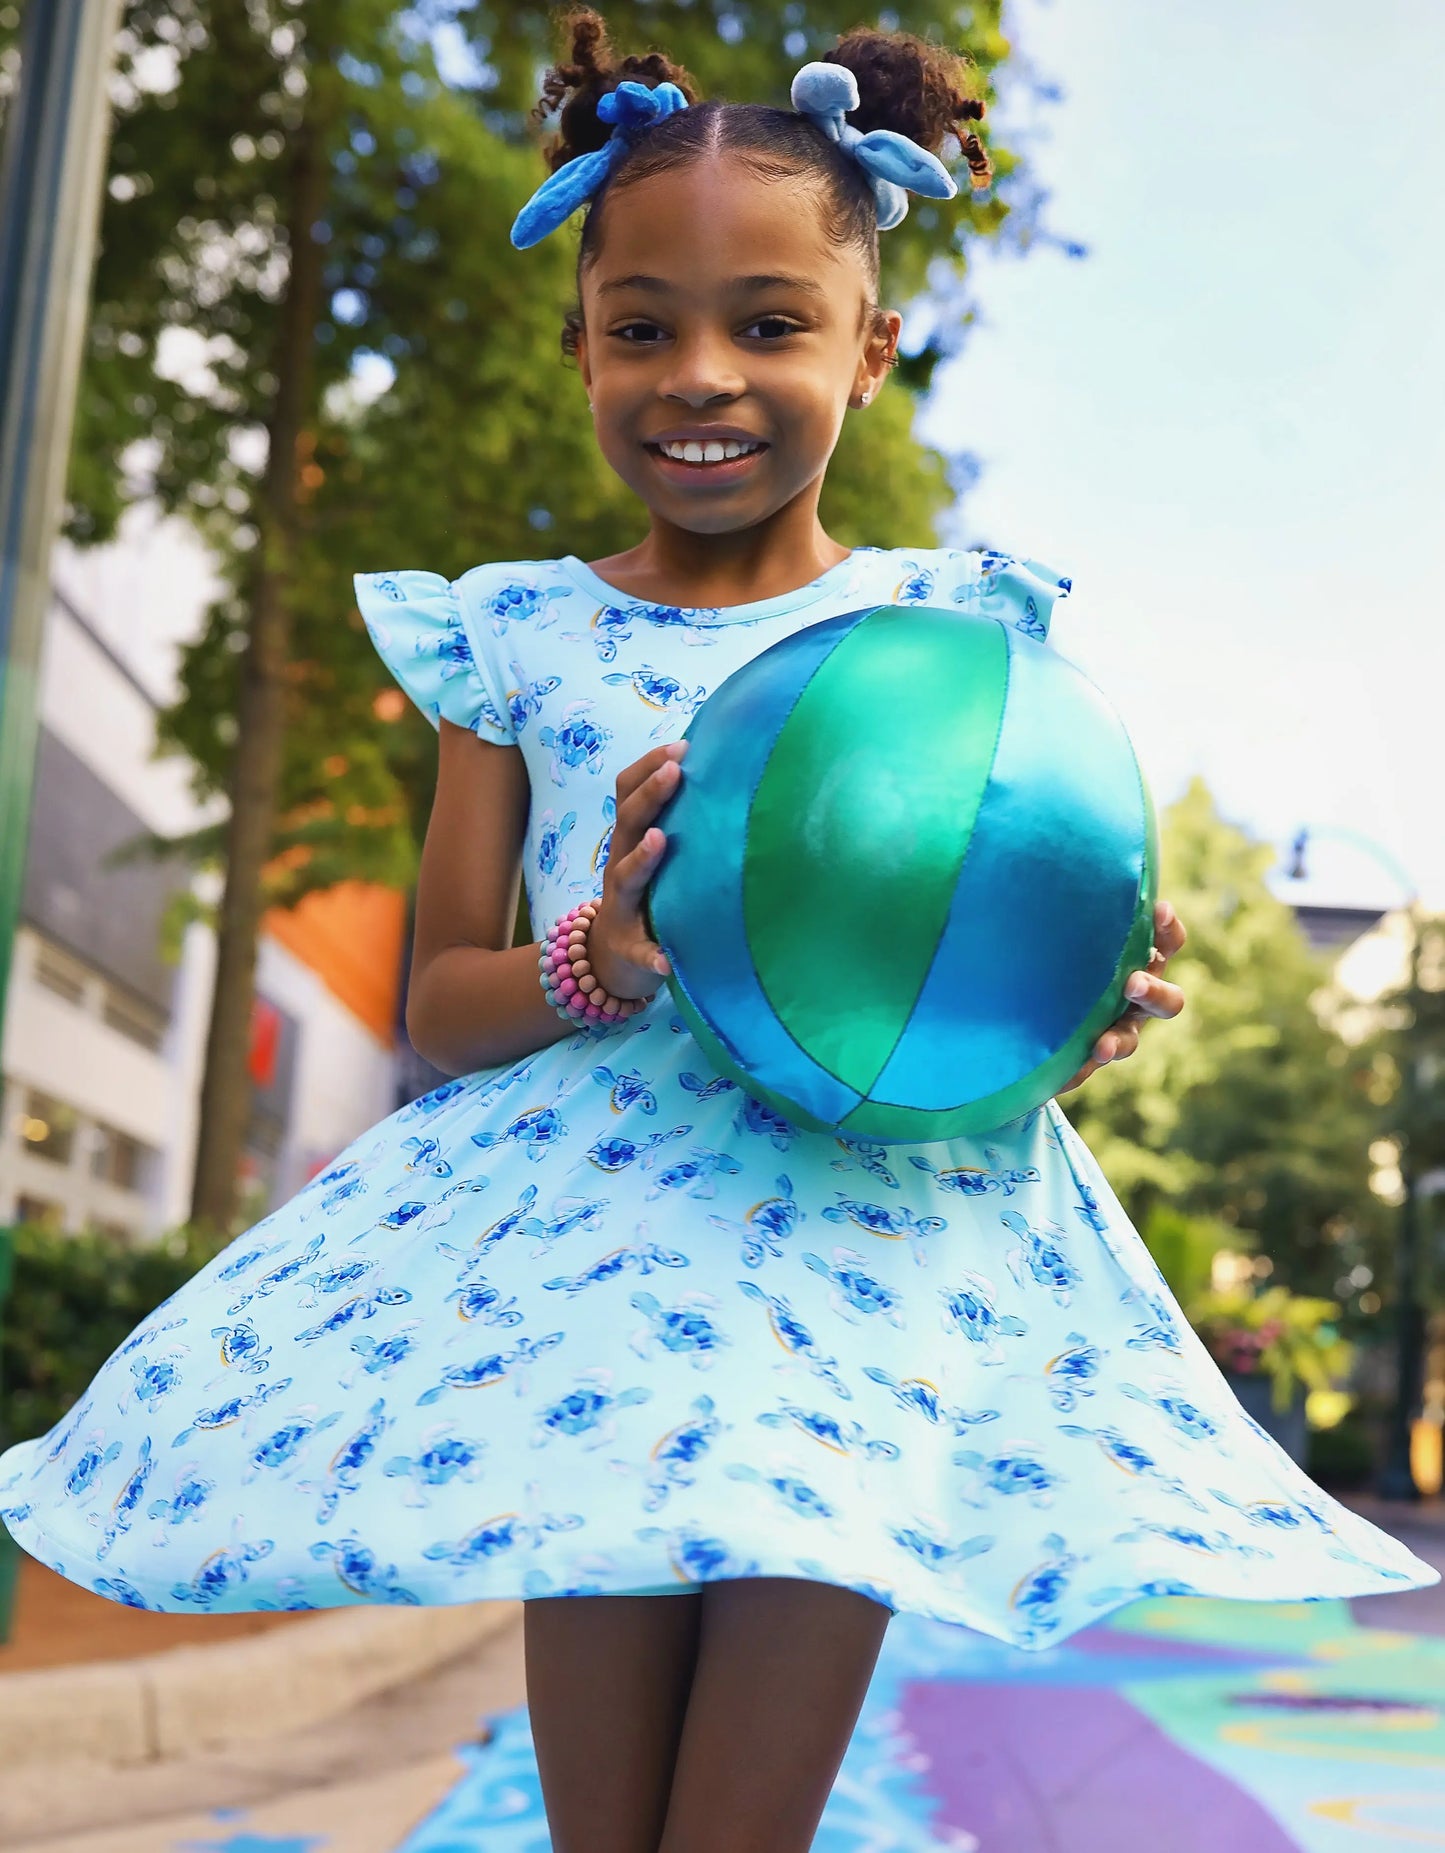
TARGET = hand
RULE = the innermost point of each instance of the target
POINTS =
(624, 960)
(1148, 994)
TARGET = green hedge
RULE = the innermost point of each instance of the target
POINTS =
(73, 1299)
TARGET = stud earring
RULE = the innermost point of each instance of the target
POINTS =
(864, 398)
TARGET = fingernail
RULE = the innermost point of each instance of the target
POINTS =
(676, 748)
(1137, 987)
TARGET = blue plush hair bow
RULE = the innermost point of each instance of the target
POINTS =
(895, 166)
(630, 108)
(825, 93)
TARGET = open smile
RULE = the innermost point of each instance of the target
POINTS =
(715, 460)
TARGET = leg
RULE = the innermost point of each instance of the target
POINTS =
(607, 1684)
(783, 1666)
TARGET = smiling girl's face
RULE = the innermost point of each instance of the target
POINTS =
(717, 318)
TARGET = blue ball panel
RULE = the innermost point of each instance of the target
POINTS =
(1045, 899)
(696, 899)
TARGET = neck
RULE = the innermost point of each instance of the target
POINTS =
(674, 566)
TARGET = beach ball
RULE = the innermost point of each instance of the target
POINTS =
(910, 865)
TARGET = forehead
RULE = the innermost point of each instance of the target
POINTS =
(702, 227)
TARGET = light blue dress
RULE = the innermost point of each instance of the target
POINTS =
(598, 1322)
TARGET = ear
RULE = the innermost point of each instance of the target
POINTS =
(879, 348)
(584, 364)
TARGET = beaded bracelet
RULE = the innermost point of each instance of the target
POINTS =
(567, 980)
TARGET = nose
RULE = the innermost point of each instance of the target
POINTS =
(703, 370)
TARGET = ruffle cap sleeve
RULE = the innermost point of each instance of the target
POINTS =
(1018, 592)
(415, 621)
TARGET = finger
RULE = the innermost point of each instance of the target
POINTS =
(631, 873)
(1169, 933)
(634, 873)
(638, 773)
(1151, 997)
(638, 810)
(1125, 1038)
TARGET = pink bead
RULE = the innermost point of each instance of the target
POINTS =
(592, 1014)
(567, 987)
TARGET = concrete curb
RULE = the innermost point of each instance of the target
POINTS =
(190, 1699)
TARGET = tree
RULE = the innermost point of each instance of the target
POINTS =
(1251, 1108)
(293, 192)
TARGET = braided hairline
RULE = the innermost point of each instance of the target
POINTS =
(905, 84)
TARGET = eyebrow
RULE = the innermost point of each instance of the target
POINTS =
(639, 280)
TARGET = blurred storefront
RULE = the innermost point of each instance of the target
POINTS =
(104, 1035)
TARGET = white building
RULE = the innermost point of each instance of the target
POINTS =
(104, 1036)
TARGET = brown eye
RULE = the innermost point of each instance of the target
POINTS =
(773, 327)
(639, 334)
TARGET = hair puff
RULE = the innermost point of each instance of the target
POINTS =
(574, 86)
(915, 88)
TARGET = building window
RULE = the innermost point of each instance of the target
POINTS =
(142, 1022)
(81, 985)
(47, 1127)
(39, 1210)
(117, 1158)
(59, 973)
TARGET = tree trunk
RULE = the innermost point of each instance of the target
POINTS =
(261, 709)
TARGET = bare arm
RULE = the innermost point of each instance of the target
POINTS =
(475, 1000)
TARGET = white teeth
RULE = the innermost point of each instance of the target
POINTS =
(694, 451)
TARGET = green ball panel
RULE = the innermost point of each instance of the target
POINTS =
(899, 801)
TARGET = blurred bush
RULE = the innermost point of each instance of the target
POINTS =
(1344, 1457)
(73, 1299)
(1184, 1248)
(1289, 1338)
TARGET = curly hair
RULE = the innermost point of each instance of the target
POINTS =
(905, 83)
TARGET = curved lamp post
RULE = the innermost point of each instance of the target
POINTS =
(1397, 1476)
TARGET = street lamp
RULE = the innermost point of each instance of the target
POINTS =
(1397, 1477)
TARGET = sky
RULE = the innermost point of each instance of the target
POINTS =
(1227, 423)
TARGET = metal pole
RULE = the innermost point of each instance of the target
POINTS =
(51, 170)
(1397, 1477)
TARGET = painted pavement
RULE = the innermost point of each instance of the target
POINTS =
(1188, 1725)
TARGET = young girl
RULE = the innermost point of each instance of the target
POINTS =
(588, 1321)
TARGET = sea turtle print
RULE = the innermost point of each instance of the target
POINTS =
(600, 1321)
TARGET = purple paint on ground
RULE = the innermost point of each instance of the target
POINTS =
(1117, 1643)
(1073, 1770)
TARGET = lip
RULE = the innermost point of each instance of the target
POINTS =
(705, 434)
(705, 475)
